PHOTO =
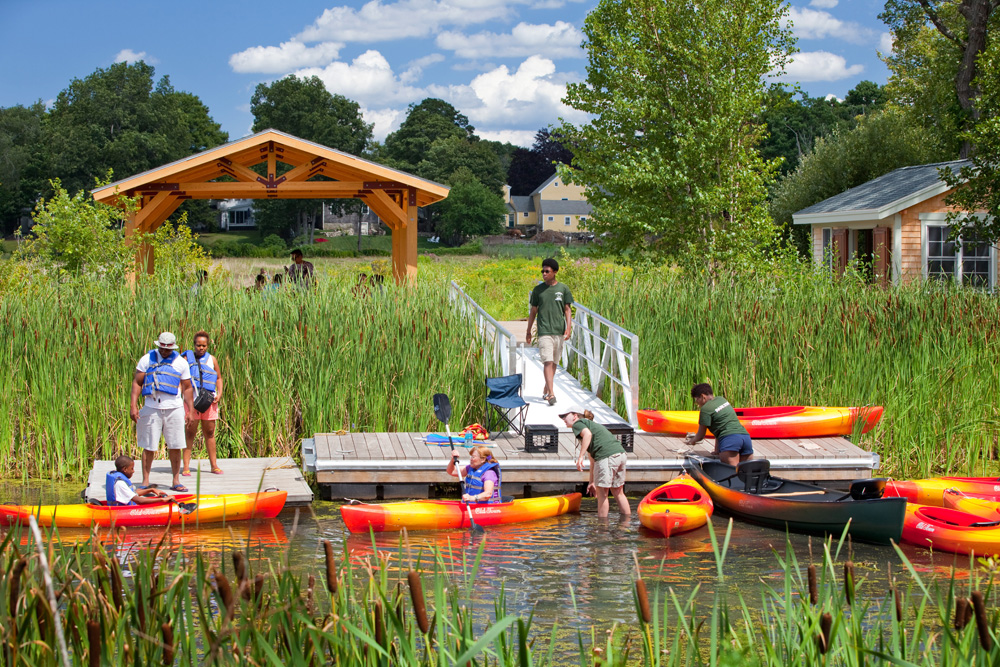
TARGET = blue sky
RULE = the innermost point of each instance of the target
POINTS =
(503, 63)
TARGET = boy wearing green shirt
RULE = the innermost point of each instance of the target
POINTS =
(732, 442)
(550, 302)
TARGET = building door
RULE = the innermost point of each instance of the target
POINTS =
(840, 251)
(882, 265)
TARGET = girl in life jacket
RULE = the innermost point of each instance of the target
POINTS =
(482, 476)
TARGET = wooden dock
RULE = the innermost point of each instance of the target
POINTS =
(401, 465)
(239, 476)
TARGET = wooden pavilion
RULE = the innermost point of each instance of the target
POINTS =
(393, 195)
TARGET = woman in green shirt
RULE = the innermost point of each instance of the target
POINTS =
(607, 459)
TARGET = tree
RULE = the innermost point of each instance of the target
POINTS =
(22, 163)
(669, 162)
(448, 154)
(964, 24)
(471, 209)
(425, 123)
(531, 168)
(848, 158)
(306, 109)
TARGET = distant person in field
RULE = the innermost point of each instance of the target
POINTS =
(119, 489)
(202, 278)
(550, 303)
(163, 377)
(607, 459)
(259, 283)
(205, 373)
(732, 442)
(300, 272)
(276, 282)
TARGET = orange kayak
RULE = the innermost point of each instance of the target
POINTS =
(450, 514)
(771, 422)
(676, 507)
(932, 491)
(951, 530)
(207, 509)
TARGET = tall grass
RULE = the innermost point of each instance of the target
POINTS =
(294, 362)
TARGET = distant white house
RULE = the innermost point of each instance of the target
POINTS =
(235, 214)
(554, 205)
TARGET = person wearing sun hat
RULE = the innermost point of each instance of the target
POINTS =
(163, 377)
(607, 459)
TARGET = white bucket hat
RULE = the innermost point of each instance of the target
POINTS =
(167, 341)
(573, 408)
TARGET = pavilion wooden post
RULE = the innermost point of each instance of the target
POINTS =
(147, 219)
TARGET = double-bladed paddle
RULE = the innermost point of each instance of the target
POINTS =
(442, 410)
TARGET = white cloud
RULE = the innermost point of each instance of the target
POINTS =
(823, 4)
(814, 24)
(284, 58)
(416, 67)
(819, 66)
(130, 56)
(561, 40)
(384, 121)
(378, 22)
(523, 138)
(885, 43)
(368, 80)
(832, 98)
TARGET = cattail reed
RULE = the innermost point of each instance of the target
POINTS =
(849, 582)
(331, 568)
(15, 584)
(982, 624)
(640, 593)
(258, 589)
(94, 643)
(825, 626)
(813, 586)
(417, 595)
(221, 586)
(240, 567)
(168, 644)
(379, 625)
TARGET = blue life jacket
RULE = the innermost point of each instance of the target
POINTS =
(161, 376)
(109, 487)
(474, 481)
(204, 378)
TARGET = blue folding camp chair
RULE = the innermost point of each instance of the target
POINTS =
(504, 401)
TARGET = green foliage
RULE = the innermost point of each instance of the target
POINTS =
(847, 158)
(980, 191)
(669, 162)
(448, 155)
(471, 209)
(425, 123)
(176, 253)
(22, 178)
(529, 168)
(74, 236)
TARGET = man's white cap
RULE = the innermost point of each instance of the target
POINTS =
(573, 408)
(167, 340)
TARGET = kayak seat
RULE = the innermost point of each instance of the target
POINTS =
(506, 499)
(504, 404)
(866, 489)
(756, 476)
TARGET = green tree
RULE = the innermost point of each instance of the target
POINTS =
(471, 209)
(305, 109)
(22, 163)
(425, 123)
(848, 158)
(670, 162)
(529, 168)
(448, 154)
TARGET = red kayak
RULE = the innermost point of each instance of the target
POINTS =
(789, 421)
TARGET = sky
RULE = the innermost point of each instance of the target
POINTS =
(503, 63)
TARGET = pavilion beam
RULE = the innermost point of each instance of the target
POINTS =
(244, 190)
(146, 220)
(401, 217)
(238, 171)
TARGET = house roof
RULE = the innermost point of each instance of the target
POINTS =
(565, 207)
(882, 196)
(522, 204)
(548, 181)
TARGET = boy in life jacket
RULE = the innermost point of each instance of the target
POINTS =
(482, 475)
(120, 490)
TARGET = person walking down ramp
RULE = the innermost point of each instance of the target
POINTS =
(732, 442)
(163, 377)
(482, 475)
(607, 460)
(550, 303)
(205, 374)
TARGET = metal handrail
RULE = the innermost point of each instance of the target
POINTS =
(601, 351)
(502, 340)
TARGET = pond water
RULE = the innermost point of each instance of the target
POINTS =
(539, 562)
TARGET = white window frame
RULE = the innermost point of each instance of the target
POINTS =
(938, 220)
(551, 219)
(826, 247)
(566, 221)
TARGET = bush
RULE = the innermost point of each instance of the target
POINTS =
(470, 248)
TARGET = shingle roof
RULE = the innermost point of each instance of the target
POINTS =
(522, 204)
(564, 207)
(883, 191)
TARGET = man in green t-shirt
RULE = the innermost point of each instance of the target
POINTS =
(732, 442)
(550, 303)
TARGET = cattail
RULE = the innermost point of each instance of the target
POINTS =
(823, 639)
(15, 584)
(379, 630)
(898, 598)
(417, 595)
(331, 568)
(849, 582)
(813, 586)
(982, 625)
(116, 584)
(309, 594)
(221, 585)
(240, 566)
(962, 612)
(94, 643)
(640, 593)
(258, 589)
(168, 644)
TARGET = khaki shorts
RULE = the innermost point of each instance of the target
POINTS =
(550, 348)
(609, 473)
(154, 422)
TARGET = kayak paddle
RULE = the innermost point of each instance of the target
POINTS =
(442, 410)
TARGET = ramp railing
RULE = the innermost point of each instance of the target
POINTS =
(500, 344)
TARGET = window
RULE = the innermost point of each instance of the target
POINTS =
(566, 220)
(551, 218)
(827, 247)
(565, 198)
(969, 263)
(583, 220)
(526, 214)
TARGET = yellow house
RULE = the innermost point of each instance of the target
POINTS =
(896, 224)
(553, 206)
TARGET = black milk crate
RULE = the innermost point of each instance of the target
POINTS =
(624, 433)
(541, 439)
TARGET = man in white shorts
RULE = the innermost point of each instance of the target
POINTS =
(164, 378)
(550, 303)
